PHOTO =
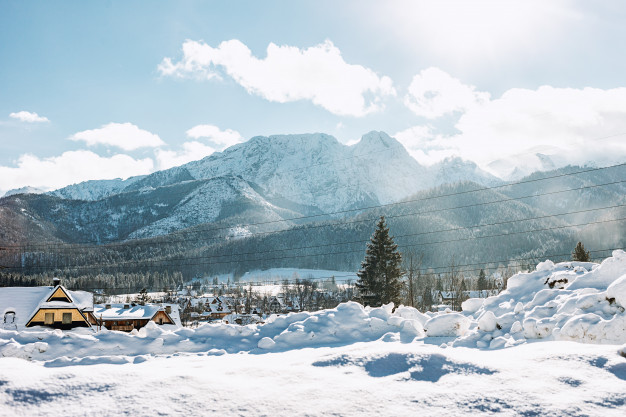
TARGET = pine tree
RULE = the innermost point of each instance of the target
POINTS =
(580, 254)
(482, 281)
(143, 297)
(379, 278)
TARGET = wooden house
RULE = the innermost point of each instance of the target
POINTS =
(55, 307)
(126, 317)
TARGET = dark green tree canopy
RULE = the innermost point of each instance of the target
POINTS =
(580, 254)
(482, 281)
(379, 277)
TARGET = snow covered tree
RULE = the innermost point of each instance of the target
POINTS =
(143, 297)
(379, 277)
(580, 254)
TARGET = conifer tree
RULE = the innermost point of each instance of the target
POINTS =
(580, 254)
(379, 278)
(482, 281)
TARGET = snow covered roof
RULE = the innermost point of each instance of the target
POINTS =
(25, 301)
(135, 312)
(118, 312)
(218, 308)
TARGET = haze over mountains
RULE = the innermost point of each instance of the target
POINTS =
(297, 193)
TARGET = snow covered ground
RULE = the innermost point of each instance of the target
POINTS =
(375, 378)
(553, 343)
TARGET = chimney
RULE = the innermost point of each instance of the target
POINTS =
(56, 281)
(168, 309)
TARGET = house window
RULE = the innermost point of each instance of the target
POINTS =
(48, 318)
(67, 318)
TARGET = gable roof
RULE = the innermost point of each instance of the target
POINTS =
(59, 294)
(117, 312)
(26, 301)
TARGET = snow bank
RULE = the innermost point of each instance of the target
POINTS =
(574, 301)
(617, 291)
(348, 323)
(450, 324)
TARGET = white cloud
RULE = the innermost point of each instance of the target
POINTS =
(221, 138)
(572, 126)
(287, 74)
(126, 136)
(426, 146)
(433, 93)
(69, 168)
(28, 117)
(191, 151)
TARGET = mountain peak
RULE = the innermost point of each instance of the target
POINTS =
(376, 139)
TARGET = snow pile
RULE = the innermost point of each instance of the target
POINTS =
(576, 301)
(572, 301)
(348, 323)
(452, 324)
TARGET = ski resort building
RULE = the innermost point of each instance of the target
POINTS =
(54, 306)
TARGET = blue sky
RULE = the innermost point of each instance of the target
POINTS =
(103, 89)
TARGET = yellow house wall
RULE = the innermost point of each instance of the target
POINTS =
(58, 314)
(59, 294)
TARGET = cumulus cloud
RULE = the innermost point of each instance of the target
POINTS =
(126, 136)
(287, 74)
(28, 117)
(69, 168)
(570, 126)
(221, 138)
(433, 93)
(191, 151)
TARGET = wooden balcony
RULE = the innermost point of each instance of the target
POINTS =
(122, 328)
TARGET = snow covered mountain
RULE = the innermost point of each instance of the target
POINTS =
(24, 190)
(518, 166)
(313, 170)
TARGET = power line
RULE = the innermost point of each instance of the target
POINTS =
(232, 255)
(169, 242)
(350, 276)
(162, 263)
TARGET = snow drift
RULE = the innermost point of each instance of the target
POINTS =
(574, 301)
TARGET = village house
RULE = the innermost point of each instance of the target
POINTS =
(126, 317)
(210, 307)
(49, 306)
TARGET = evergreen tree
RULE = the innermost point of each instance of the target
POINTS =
(427, 298)
(379, 278)
(439, 284)
(482, 281)
(580, 254)
(143, 297)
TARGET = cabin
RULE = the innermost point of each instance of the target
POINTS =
(127, 317)
(217, 310)
(49, 306)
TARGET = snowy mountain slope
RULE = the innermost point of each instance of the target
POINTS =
(313, 170)
(95, 189)
(23, 190)
(298, 175)
(455, 169)
(152, 212)
(518, 166)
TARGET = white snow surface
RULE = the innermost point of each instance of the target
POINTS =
(351, 360)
